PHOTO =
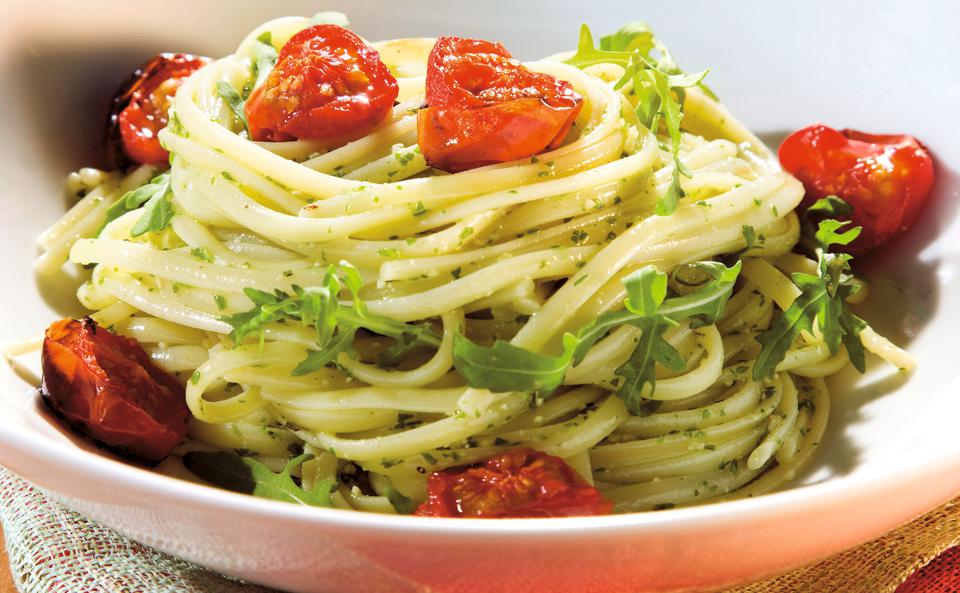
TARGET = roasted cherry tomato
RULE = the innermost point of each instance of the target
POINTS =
(106, 386)
(517, 483)
(327, 84)
(484, 107)
(140, 107)
(885, 178)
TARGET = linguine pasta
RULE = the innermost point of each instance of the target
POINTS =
(524, 252)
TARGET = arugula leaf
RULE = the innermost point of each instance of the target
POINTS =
(822, 298)
(587, 53)
(135, 198)
(798, 317)
(655, 89)
(233, 100)
(330, 17)
(672, 112)
(407, 336)
(827, 234)
(658, 84)
(505, 367)
(157, 211)
(335, 324)
(705, 305)
(850, 337)
(264, 59)
(248, 476)
(405, 341)
(701, 307)
(646, 290)
(635, 36)
(830, 207)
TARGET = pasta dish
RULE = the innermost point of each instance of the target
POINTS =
(421, 276)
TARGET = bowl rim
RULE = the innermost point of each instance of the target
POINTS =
(68, 458)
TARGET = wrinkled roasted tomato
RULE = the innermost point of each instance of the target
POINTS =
(484, 107)
(140, 107)
(327, 83)
(886, 178)
(517, 483)
(106, 386)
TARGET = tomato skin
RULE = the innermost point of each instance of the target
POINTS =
(140, 107)
(484, 107)
(886, 178)
(106, 386)
(516, 483)
(327, 83)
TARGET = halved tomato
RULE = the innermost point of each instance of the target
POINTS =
(106, 386)
(327, 83)
(140, 108)
(483, 107)
(517, 483)
(886, 178)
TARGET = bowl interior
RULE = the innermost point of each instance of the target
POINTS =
(57, 79)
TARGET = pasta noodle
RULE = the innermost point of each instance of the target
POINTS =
(518, 251)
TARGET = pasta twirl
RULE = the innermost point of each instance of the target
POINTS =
(521, 251)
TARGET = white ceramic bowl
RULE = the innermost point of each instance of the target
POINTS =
(891, 452)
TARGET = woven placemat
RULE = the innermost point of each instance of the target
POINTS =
(882, 565)
(54, 550)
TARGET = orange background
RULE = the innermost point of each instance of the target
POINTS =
(6, 581)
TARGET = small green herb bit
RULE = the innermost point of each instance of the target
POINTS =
(822, 299)
(248, 476)
(749, 236)
(202, 253)
(750, 239)
(401, 503)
